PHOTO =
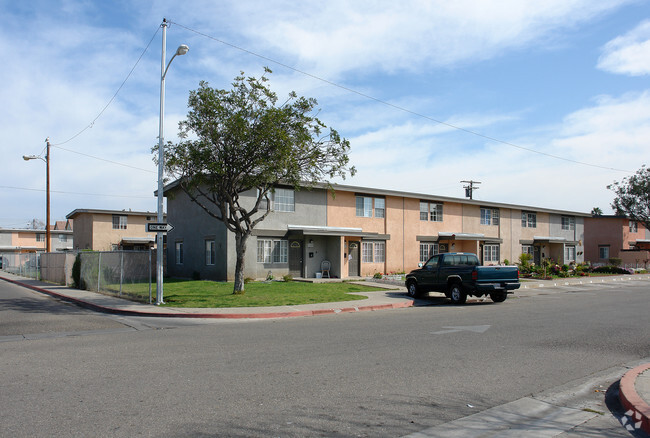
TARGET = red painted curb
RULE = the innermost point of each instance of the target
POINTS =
(296, 313)
(632, 401)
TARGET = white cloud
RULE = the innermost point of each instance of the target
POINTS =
(628, 54)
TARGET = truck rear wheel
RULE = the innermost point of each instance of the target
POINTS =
(457, 294)
(498, 297)
(413, 290)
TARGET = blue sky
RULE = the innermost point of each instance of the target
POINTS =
(557, 91)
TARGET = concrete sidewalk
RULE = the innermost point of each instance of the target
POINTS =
(392, 298)
(634, 386)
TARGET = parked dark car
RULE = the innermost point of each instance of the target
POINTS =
(459, 275)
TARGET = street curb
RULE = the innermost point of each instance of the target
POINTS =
(632, 401)
(289, 314)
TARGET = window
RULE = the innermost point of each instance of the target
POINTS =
(115, 247)
(528, 219)
(210, 252)
(427, 250)
(424, 211)
(430, 211)
(527, 249)
(435, 211)
(272, 251)
(119, 222)
(489, 216)
(603, 252)
(491, 253)
(634, 227)
(364, 206)
(380, 207)
(283, 200)
(40, 237)
(373, 252)
(179, 252)
(569, 253)
(63, 238)
(568, 223)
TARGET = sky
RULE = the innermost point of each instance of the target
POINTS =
(544, 103)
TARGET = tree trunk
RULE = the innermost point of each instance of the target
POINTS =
(240, 246)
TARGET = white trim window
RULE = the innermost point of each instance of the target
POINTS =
(435, 212)
(373, 252)
(431, 211)
(490, 253)
(489, 216)
(427, 250)
(569, 253)
(284, 200)
(63, 238)
(178, 252)
(364, 206)
(40, 237)
(568, 223)
(272, 251)
(528, 219)
(603, 252)
(380, 207)
(527, 249)
(634, 227)
(119, 222)
(210, 252)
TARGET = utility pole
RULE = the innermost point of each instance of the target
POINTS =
(469, 189)
(48, 240)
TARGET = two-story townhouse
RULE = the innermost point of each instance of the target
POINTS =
(294, 239)
(416, 226)
(22, 240)
(111, 230)
(617, 237)
(360, 231)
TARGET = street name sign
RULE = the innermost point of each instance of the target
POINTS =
(155, 227)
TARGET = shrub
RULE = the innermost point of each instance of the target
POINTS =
(76, 272)
(378, 275)
(248, 280)
(615, 261)
(287, 278)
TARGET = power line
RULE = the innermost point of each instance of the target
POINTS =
(76, 193)
(104, 159)
(400, 108)
(91, 124)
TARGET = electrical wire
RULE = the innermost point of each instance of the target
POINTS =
(397, 107)
(114, 95)
(77, 193)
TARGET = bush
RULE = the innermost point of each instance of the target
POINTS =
(76, 272)
(610, 270)
(506, 262)
(248, 280)
(378, 275)
(615, 261)
(287, 278)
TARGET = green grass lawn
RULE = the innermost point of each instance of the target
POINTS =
(185, 293)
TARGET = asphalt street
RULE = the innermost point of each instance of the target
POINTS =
(71, 372)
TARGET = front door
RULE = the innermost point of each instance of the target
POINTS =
(354, 252)
(295, 258)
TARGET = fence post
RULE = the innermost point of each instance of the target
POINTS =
(99, 270)
(121, 270)
(149, 275)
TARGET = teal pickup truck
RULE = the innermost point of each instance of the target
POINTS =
(459, 275)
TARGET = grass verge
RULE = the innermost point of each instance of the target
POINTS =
(199, 293)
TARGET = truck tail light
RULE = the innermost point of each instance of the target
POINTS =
(474, 275)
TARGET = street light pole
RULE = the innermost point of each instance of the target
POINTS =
(48, 243)
(182, 50)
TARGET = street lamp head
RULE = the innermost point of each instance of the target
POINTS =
(29, 157)
(182, 49)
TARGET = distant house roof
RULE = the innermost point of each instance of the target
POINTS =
(79, 211)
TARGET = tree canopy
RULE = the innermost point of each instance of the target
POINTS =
(238, 140)
(633, 196)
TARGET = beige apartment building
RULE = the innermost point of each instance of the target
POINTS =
(112, 230)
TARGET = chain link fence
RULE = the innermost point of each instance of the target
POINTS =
(25, 264)
(130, 274)
(123, 273)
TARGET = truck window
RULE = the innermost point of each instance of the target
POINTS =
(432, 263)
(472, 260)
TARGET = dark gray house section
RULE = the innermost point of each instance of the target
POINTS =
(201, 246)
